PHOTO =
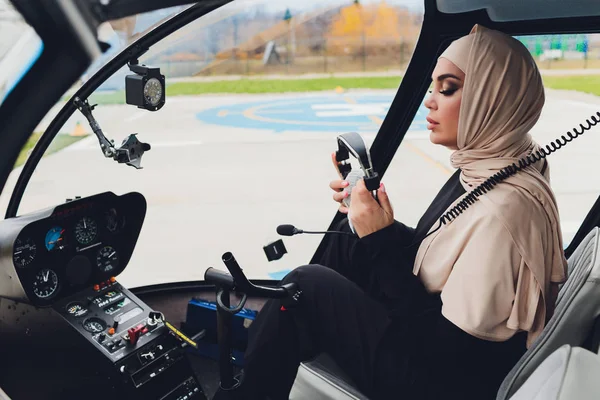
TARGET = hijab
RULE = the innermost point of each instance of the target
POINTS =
(493, 264)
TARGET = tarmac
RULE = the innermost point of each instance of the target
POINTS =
(225, 170)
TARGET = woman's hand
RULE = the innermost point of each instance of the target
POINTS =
(338, 187)
(366, 214)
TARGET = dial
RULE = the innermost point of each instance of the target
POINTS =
(153, 91)
(24, 252)
(94, 325)
(45, 283)
(112, 220)
(76, 309)
(55, 239)
(107, 259)
(86, 230)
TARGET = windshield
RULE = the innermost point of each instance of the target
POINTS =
(256, 95)
(20, 47)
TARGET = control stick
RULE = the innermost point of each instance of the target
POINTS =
(237, 282)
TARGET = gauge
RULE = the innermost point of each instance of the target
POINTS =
(55, 239)
(86, 230)
(24, 252)
(76, 309)
(45, 283)
(112, 220)
(107, 259)
(94, 325)
(153, 91)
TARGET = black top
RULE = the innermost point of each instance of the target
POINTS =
(455, 364)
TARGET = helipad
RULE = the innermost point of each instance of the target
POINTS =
(356, 112)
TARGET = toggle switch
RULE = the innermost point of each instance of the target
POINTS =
(134, 334)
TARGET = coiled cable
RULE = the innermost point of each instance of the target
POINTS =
(510, 170)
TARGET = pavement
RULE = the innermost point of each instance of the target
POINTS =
(225, 170)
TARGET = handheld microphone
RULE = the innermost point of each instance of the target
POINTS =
(291, 230)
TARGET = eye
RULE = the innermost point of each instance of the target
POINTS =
(448, 92)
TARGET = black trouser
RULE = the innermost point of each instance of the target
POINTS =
(338, 314)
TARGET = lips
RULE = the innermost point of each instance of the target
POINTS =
(432, 123)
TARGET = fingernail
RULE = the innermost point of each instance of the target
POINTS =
(345, 183)
(382, 186)
(346, 194)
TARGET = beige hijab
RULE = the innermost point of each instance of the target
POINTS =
(493, 264)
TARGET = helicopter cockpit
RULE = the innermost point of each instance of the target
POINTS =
(117, 270)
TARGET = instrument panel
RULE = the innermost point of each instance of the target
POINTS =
(79, 244)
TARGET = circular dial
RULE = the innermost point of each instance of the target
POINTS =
(153, 91)
(86, 230)
(45, 283)
(112, 220)
(94, 325)
(54, 238)
(107, 259)
(24, 252)
(76, 309)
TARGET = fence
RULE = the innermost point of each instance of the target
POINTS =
(331, 44)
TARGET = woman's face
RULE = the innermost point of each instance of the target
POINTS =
(444, 103)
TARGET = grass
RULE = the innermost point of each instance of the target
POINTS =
(580, 83)
(59, 142)
(258, 86)
(282, 85)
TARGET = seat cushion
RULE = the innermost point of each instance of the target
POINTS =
(322, 379)
(569, 373)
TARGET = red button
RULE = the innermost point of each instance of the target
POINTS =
(96, 288)
(144, 331)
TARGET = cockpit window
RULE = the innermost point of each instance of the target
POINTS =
(257, 93)
(20, 47)
(121, 33)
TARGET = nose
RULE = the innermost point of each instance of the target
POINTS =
(429, 103)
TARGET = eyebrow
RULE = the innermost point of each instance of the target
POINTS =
(446, 76)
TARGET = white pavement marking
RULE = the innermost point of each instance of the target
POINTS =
(263, 112)
(93, 146)
(350, 110)
(178, 144)
(137, 115)
(581, 104)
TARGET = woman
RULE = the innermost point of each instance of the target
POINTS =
(450, 316)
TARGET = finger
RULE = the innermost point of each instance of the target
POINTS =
(338, 185)
(384, 200)
(343, 210)
(339, 196)
(363, 195)
(335, 164)
(360, 190)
